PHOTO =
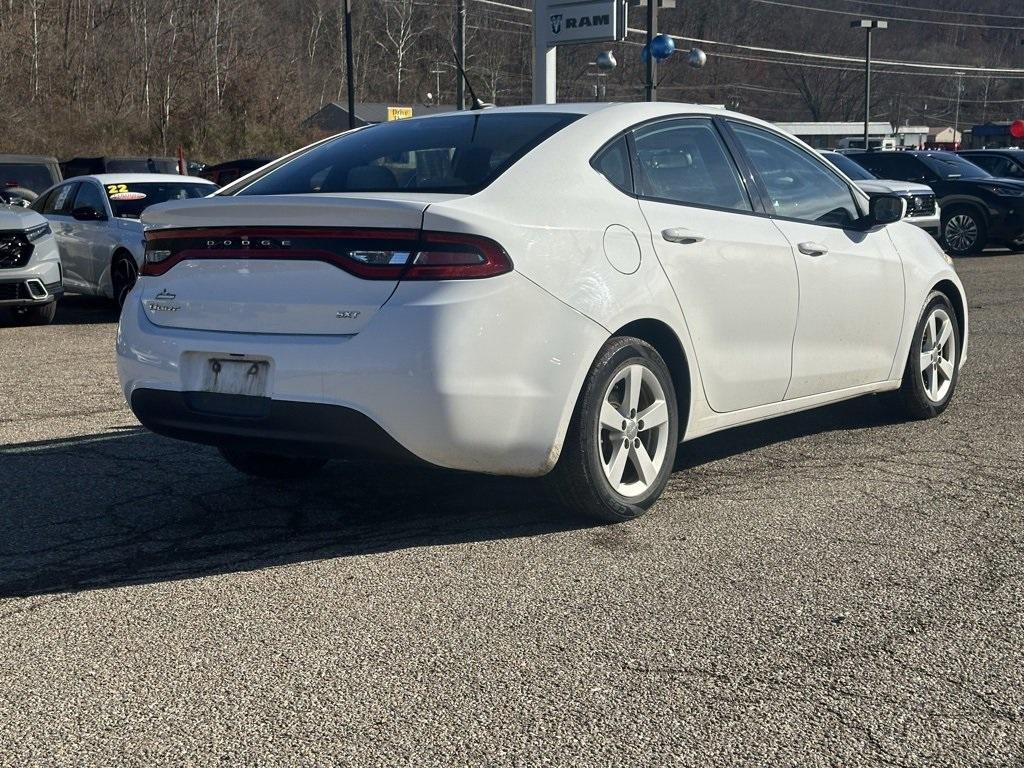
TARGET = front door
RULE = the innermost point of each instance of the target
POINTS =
(851, 279)
(733, 272)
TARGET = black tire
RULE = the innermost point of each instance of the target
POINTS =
(40, 314)
(272, 466)
(912, 398)
(123, 274)
(579, 480)
(964, 232)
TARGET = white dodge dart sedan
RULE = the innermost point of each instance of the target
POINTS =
(565, 290)
(96, 222)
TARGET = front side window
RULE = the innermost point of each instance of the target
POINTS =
(685, 161)
(89, 196)
(459, 154)
(799, 186)
(128, 201)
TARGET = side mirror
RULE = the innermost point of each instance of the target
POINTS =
(886, 209)
(88, 213)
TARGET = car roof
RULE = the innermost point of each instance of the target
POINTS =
(27, 159)
(993, 151)
(140, 178)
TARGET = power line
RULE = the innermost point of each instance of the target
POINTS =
(934, 10)
(781, 4)
(991, 71)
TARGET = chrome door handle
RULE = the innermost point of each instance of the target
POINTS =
(682, 235)
(812, 249)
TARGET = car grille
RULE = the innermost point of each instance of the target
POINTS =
(920, 205)
(15, 250)
(14, 291)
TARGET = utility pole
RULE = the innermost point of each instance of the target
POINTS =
(869, 26)
(956, 116)
(652, 63)
(460, 47)
(349, 65)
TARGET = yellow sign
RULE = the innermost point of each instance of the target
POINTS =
(399, 113)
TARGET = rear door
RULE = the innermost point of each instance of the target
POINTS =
(851, 279)
(731, 268)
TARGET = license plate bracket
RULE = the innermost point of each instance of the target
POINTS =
(229, 376)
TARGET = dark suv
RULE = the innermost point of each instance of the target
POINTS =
(978, 209)
(1007, 163)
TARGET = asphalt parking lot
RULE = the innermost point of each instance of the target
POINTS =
(830, 588)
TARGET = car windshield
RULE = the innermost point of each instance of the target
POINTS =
(847, 166)
(452, 153)
(34, 176)
(128, 201)
(950, 166)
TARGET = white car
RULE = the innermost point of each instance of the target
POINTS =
(30, 272)
(96, 222)
(922, 205)
(567, 290)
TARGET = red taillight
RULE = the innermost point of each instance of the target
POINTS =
(373, 254)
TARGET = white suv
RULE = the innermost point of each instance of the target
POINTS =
(30, 271)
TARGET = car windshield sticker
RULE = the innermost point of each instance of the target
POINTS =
(127, 195)
(62, 197)
(113, 189)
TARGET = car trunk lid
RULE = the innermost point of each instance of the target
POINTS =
(299, 264)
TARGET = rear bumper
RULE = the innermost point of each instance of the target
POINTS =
(476, 375)
(275, 426)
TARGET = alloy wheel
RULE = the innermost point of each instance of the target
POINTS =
(633, 430)
(961, 232)
(937, 355)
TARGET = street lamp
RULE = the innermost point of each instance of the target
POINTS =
(869, 26)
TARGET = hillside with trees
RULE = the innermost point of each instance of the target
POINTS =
(225, 78)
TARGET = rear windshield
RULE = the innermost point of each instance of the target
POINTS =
(128, 201)
(34, 176)
(457, 153)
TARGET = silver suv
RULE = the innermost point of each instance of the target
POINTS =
(30, 271)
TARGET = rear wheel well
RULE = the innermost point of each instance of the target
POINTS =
(664, 339)
(120, 253)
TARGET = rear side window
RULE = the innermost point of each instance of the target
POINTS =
(798, 184)
(685, 161)
(613, 163)
(452, 153)
(894, 165)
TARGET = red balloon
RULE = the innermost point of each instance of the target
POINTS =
(1017, 129)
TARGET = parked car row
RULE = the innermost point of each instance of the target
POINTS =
(976, 197)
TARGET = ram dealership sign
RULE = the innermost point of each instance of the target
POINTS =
(573, 21)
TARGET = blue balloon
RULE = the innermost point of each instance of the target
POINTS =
(662, 46)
